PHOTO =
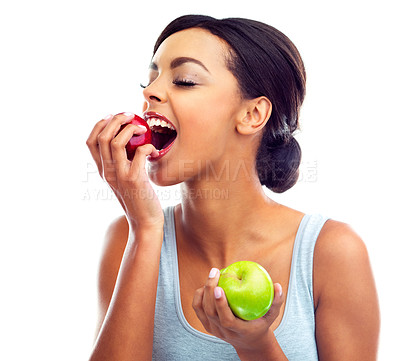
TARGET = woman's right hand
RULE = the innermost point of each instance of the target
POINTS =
(128, 179)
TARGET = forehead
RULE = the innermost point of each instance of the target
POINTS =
(194, 43)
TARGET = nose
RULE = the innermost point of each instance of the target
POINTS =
(153, 93)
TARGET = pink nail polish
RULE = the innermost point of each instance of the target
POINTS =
(217, 292)
(213, 272)
(280, 291)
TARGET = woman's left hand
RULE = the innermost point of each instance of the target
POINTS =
(212, 309)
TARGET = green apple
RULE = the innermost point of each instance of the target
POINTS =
(248, 288)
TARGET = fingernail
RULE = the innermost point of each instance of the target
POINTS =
(279, 290)
(213, 272)
(217, 292)
(108, 117)
(129, 114)
(141, 127)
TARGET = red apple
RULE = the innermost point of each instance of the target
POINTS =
(137, 140)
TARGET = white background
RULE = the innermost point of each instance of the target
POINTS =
(67, 64)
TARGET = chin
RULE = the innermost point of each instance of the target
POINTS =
(161, 177)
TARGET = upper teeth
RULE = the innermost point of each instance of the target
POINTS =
(155, 121)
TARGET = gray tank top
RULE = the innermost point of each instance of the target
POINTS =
(176, 340)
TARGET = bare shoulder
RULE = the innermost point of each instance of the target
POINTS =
(345, 295)
(339, 252)
(114, 245)
(115, 238)
(337, 241)
(115, 241)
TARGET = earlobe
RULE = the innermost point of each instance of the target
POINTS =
(258, 111)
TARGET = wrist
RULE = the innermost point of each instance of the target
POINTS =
(146, 233)
(144, 241)
(140, 228)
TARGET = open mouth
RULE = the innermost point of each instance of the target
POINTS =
(163, 132)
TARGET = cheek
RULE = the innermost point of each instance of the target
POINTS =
(210, 113)
(222, 104)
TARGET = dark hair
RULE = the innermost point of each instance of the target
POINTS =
(266, 63)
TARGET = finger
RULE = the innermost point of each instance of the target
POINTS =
(226, 318)
(197, 305)
(110, 131)
(144, 151)
(120, 141)
(209, 298)
(99, 126)
(92, 143)
(138, 169)
(273, 312)
(105, 137)
(114, 125)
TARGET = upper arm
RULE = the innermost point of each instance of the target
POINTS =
(347, 311)
(114, 246)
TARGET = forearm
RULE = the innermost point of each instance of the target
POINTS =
(269, 351)
(127, 330)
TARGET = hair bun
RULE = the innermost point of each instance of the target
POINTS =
(278, 166)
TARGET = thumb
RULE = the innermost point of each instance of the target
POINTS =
(273, 312)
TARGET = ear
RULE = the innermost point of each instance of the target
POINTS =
(257, 112)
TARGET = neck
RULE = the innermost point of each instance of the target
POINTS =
(222, 218)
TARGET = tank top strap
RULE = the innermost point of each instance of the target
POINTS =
(300, 298)
(169, 233)
(303, 252)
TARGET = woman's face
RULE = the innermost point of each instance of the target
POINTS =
(190, 85)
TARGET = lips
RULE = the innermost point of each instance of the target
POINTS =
(163, 132)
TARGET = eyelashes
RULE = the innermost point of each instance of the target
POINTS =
(178, 82)
(184, 83)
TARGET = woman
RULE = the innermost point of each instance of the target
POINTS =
(230, 91)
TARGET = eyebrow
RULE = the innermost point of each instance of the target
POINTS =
(180, 61)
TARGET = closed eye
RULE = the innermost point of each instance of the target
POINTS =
(184, 83)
